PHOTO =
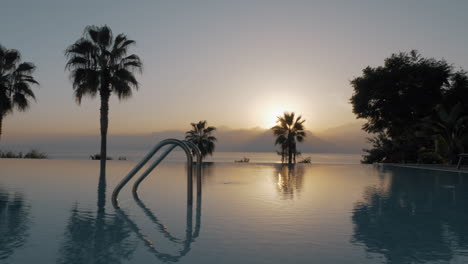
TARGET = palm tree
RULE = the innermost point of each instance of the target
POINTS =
(99, 64)
(15, 83)
(201, 135)
(448, 128)
(289, 131)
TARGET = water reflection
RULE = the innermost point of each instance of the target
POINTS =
(289, 180)
(190, 235)
(208, 174)
(14, 222)
(413, 216)
(96, 237)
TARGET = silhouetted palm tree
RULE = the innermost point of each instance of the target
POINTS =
(201, 135)
(289, 131)
(99, 63)
(15, 81)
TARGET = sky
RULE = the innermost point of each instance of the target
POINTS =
(236, 64)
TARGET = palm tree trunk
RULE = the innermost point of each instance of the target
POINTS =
(104, 93)
(293, 150)
(290, 150)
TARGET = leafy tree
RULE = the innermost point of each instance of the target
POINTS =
(401, 92)
(396, 97)
(15, 83)
(202, 136)
(458, 92)
(288, 132)
(100, 64)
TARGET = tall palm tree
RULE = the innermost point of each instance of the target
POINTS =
(201, 135)
(100, 64)
(15, 83)
(290, 129)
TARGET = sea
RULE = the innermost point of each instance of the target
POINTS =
(217, 157)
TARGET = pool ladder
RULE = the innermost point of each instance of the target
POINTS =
(188, 148)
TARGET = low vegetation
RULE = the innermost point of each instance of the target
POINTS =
(243, 160)
(98, 157)
(33, 154)
(307, 160)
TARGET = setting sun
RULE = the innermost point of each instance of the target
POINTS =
(271, 118)
(271, 113)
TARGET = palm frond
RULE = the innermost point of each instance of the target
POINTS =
(201, 136)
(20, 101)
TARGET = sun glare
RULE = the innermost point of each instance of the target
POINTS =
(270, 117)
(270, 121)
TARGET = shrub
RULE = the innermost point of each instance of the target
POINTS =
(243, 160)
(33, 154)
(307, 160)
(98, 157)
(429, 157)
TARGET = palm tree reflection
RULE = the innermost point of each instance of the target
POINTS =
(419, 216)
(96, 237)
(289, 180)
(14, 223)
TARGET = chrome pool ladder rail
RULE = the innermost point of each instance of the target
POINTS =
(188, 147)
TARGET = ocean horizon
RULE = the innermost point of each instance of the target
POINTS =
(218, 157)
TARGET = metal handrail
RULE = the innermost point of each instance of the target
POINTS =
(195, 150)
(197, 153)
(174, 142)
(190, 234)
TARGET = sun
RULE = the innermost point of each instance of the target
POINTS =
(270, 121)
(271, 116)
(266, 113)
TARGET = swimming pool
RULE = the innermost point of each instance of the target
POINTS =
(52, 211)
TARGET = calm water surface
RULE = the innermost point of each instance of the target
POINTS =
(54, 211)
(218, 157)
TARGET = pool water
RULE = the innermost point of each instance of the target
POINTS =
(56, 211)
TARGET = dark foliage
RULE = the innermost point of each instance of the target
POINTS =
(99, 64)
(33, 154)
(202, 136)
(15, 83)
(402, 102)
(288, 132)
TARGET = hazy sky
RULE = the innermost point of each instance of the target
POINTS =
(233, 63)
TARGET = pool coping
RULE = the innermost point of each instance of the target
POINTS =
(435, 167)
